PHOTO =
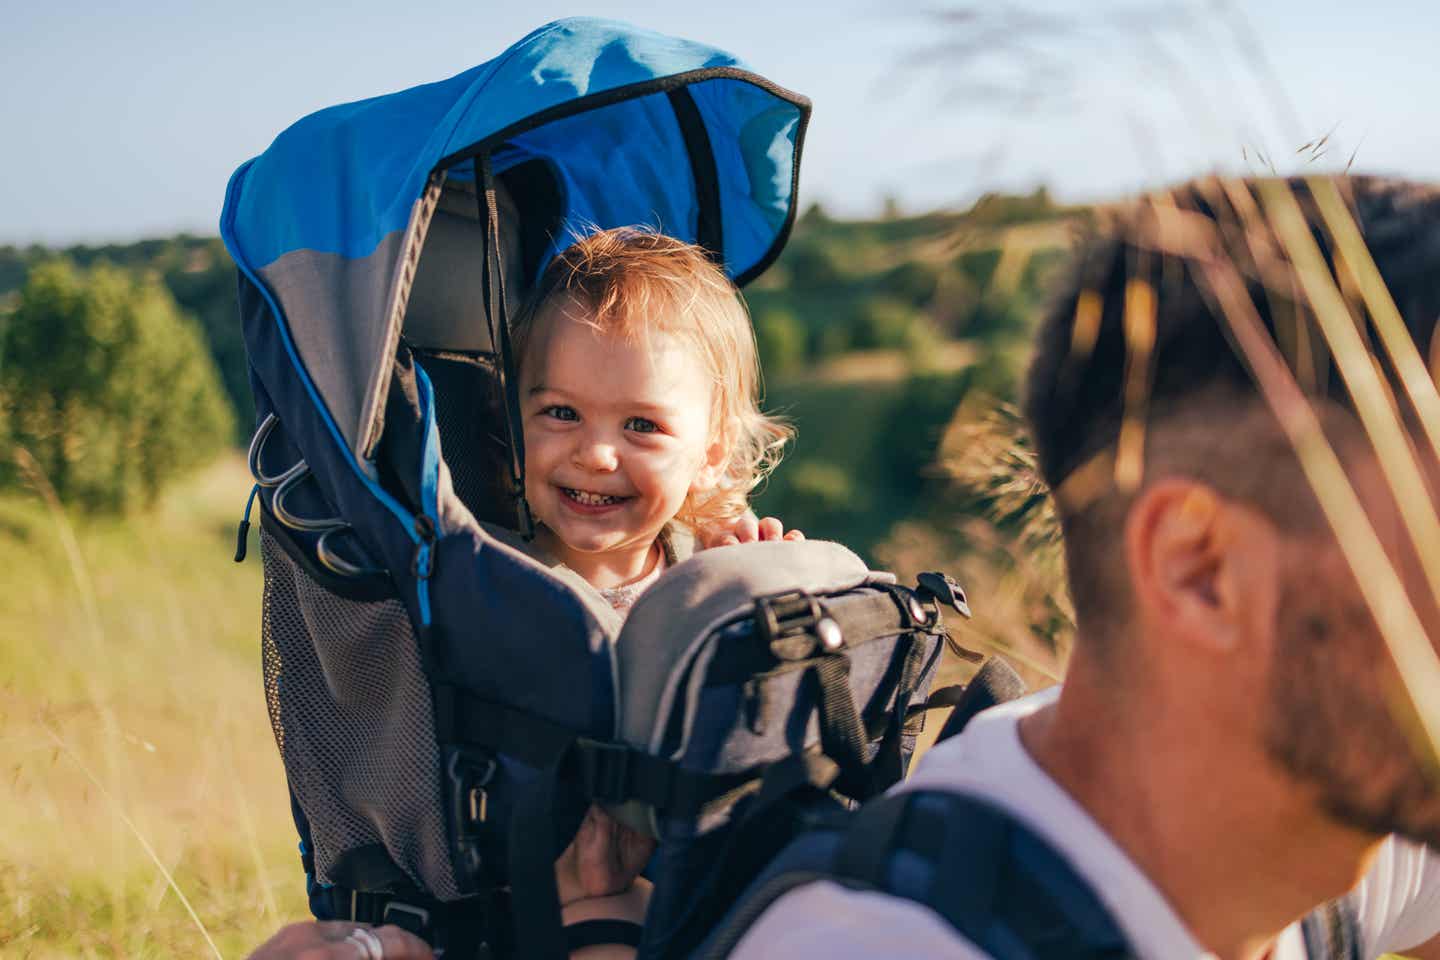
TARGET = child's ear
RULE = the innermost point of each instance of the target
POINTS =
(717, 458)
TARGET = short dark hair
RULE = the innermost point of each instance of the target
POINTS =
(1196, 383)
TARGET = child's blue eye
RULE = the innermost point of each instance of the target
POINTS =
(559, 412)
(641, 425)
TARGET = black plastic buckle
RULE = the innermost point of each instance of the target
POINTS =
(787, 622)
(605, 770)
(943, 588)
(407, 917)
(365, 906)
(467, 782)
(469, 776)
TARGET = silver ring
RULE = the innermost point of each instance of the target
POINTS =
(367, 943)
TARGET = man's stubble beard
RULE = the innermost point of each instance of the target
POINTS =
(1328, 721)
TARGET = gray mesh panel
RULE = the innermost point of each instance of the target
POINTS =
(352, 717)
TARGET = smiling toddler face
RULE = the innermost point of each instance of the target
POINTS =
(617, 434)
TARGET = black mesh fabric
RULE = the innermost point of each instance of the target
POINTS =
(352, 716)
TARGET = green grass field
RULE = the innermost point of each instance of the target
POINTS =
(143, 802)
(142, 796)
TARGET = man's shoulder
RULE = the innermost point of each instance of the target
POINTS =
(825, 919)
(1397, 904)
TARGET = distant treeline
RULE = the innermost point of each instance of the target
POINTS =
(908, 282)
(904, 283)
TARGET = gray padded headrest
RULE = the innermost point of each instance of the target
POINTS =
(670, 621)
(446, 310)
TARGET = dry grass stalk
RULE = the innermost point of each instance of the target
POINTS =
(1139, 323)
(1379, 583)
(1399, 345)
(139, 836)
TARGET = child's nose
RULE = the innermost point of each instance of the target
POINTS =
(597, 456)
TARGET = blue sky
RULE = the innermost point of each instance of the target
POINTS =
(124, 121)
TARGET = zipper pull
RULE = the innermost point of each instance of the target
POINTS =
(423, 563)
(242, 535)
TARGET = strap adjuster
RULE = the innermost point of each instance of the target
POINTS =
(605, 770)
(407, 917)
(794, 623)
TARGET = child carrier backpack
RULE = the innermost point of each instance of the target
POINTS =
(991, 878)
(445, 705)
(988, 875)
(758, 685)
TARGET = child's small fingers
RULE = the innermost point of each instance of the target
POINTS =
(771, 529)
(794, 535)
(747, 529)
(729, 540)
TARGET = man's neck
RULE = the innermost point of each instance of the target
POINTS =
(1205, 816)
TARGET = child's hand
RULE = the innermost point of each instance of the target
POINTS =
(747, 529)
(604, 858)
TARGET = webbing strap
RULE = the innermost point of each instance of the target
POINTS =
(841, 735)
(864, 853)
(589, 933)
(467, 719)
(888, 767)
(534, 898)
(615, 773)
(458, 927)
(498, 318)
(767, 826)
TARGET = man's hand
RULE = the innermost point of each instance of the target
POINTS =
(746, 529)
(327, 941)
(604, 858)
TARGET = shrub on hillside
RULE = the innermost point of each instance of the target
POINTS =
(107, 385)
(914, 281)
(813, 265)
(917, 424)
(780, 337)
(884, 323)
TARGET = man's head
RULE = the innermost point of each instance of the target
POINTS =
(1194, 541)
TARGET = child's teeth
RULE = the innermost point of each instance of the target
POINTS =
(591, 499)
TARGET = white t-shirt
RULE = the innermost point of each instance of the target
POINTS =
(1398, 901)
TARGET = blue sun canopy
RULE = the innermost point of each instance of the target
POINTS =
(634, 127)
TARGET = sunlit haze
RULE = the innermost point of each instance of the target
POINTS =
(123, 123)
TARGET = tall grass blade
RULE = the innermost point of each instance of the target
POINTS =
(124, 818)
(1380, 585)
(1396, 338)
(1358, 369)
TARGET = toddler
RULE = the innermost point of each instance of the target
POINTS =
(639, 396)
(639, 392)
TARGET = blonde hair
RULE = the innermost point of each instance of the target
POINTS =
(633, 282)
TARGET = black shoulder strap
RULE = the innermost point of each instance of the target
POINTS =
(995, 683)
(995, 881)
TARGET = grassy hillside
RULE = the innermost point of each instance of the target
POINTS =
(138, 756)
(143, 796)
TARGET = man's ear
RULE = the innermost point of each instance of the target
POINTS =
(1199, 563)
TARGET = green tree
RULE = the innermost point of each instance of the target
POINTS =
(107, 384)
(813, 266)
(914, 281)
(780, 337)
(884, 323)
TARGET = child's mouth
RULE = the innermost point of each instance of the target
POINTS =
(591, 501)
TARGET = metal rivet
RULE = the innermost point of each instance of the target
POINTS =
(829, 633)
(918, 611)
